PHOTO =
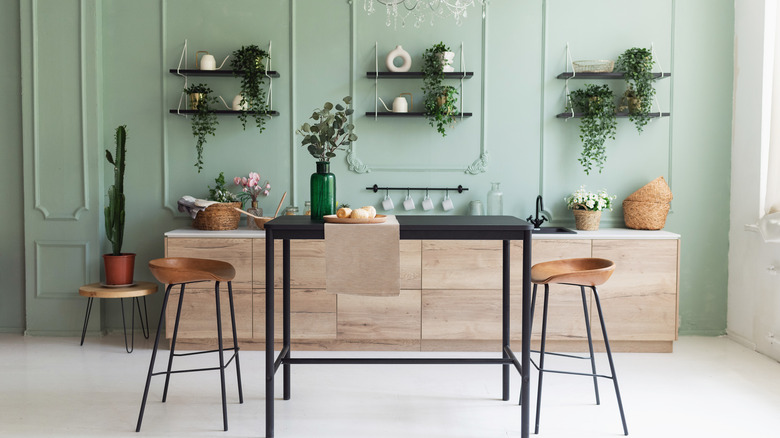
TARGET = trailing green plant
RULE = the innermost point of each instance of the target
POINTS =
(440, 111)
(220, 192)
(115, 211)
(597, 124)
(331, 132)
(637, 66)
(248, 63)
(204, 121)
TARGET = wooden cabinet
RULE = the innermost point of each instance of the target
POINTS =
(450, 297)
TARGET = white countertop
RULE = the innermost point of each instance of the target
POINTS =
(603, 233)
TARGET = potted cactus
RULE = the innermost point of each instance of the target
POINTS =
(118, 266)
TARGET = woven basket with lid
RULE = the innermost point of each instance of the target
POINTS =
(646, 208)
(218, 217)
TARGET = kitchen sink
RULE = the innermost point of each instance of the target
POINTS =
(553, 230)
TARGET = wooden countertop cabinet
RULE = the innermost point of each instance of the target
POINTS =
(450, 297)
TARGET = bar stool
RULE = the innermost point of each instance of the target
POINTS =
(582, 272)
(182, 271)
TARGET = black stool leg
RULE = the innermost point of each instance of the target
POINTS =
(173, 344)
(611, 363)
(86, 319)
(221, 357)
(531, 328)
(235, 342)
(541, 358)
(151, 362)
(590, 345)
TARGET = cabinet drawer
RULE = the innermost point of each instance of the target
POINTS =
(237, 252)
(455, 264)
(312, 315)
(378, 318)
(461, 315)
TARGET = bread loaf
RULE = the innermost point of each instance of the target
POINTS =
(371, 211)
(344, 212)
(359, 213)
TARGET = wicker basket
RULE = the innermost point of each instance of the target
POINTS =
(641, 215)
(655, 191)
(598, 66)
(587, 220)
(218, 217)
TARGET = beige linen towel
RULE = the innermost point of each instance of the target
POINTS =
(363, 259)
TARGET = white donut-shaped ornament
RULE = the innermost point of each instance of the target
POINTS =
(404, 55)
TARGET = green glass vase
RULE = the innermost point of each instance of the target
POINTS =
(323, 191)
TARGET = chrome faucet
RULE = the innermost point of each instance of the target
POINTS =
(540, 211)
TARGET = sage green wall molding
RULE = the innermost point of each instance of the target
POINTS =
(57, 271)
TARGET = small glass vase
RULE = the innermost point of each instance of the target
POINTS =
(323, 191)
(495, 200)
(250, 221)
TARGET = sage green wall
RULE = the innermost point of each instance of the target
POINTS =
(323, 49)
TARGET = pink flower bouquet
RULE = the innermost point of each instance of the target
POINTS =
(251, 187)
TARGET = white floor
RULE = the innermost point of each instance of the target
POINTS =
(709, 387)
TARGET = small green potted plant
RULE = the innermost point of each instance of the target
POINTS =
(222, 214)
(439, 99)
(637, 67)
(118, 266)
(598, 123)
(330, 132)
(248, 63)
(204, 121)
(587, 207)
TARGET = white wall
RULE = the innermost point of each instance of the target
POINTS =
(754, 294)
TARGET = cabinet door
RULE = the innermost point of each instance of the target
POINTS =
(565, 317)
(640, 299)
(461, 315)
(461, 264)
(368, 318)
(237, 252)
(312, 315)
(199, 316)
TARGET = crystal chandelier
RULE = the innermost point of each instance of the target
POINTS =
(421, 10)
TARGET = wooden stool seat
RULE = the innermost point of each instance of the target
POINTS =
(177, 270)
(584, 271)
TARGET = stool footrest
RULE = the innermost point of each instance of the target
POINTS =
(192, 353)
(192, 370)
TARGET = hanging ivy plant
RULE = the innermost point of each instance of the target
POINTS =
(204, 121)
(248, 63)
(439, 99)
(637, 66)
(598, 123)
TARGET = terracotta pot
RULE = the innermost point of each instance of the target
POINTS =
(119, 269)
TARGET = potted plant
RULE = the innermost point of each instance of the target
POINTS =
(587, 207)
(251, 189)
(118, 265)
(439, 99)
(330, 131)
(222, 213)
(248, 63)
(204, 121)
(598, 123)
(637, 64)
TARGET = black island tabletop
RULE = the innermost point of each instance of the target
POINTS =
(416, 227)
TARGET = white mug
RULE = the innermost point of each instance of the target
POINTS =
(447, 204)
(387, 203)
(427, 203)
(409, 203)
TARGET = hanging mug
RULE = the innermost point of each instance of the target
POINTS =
(427, 202)
(408, 202)
(447, 204)
(387, 203)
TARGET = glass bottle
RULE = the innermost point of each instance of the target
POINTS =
(291, 210)
(250, 221)
(495, 201)
(307, 208)
(323, 191)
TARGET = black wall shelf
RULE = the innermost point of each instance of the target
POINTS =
(620, 114)
(414, 114)
(611, 75)
(190, 111)
(417, 74)
(195, 72)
